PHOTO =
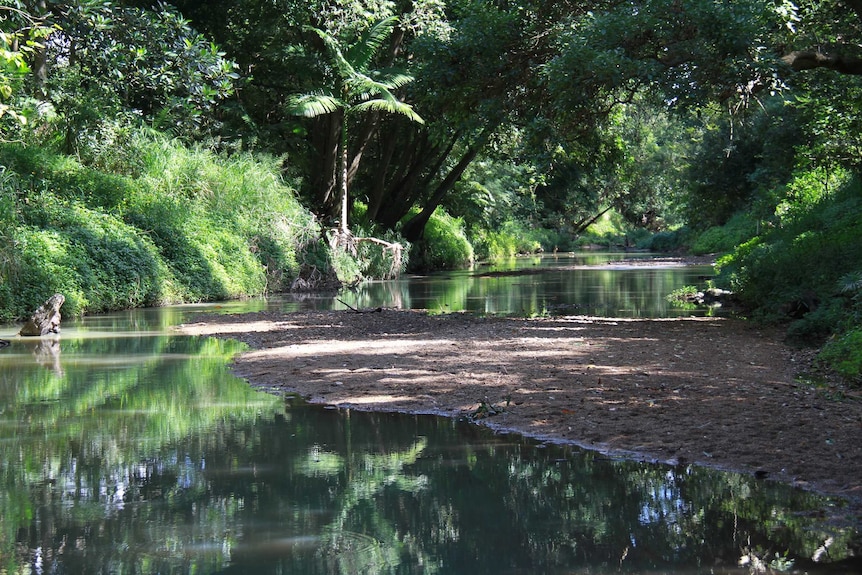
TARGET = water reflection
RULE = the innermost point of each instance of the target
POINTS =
(598, 284)
(611, 285)
(124, 449)
(142, 454)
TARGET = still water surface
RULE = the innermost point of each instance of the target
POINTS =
(125, 449)
(598, 284)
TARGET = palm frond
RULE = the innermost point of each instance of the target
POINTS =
(313, 105)
(851, 283)
(337, 58)
(391, 78)
(389, 106)
(361, 53)
(362, 87)
(395, 80)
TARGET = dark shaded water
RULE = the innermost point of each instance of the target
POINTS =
(124, 449)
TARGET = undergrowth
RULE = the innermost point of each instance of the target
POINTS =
(806, 269)
(179, 225)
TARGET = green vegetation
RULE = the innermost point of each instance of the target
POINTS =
(356, 89)
(183, 151)
(185, 225)
(445, 245)
(722, 239)
(805, 268)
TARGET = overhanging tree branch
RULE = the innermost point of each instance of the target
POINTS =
(800, 60)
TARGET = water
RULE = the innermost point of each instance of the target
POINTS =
(124, 449)
(598, 284)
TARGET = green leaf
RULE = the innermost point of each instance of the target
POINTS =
(313, 105)
(339, 62)
(389, 106)
(362, 52)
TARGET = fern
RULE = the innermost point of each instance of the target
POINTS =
(851, 283)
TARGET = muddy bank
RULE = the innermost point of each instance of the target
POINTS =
(715, 392)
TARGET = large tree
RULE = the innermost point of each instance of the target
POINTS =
(352, 88)
(555, 73)
(20, 31)
(822, 35)
(99, 61)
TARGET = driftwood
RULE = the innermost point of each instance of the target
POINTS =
(344, 240)
(46, 319)
(375, 310)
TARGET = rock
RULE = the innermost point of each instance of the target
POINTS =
(46, 319)
(711, 297)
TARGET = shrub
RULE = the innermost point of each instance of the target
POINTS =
(512, 239)
(844, 354)
(798, 270)
(443, 246)
(667, 241)
(39, 170)
(722, 239)
(552, 240)
(241, 193)
(376, 260)
(185, 225)
(346, 267)
(613, 230)
(492, 245)
(97, 261)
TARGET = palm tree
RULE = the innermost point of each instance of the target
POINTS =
(357, 89)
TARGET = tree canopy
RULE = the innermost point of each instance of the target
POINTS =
(547, 85)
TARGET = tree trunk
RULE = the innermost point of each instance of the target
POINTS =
(811, 59)
(46, 318)
(405, 190)
(343, 177)
(424, 165)
(378, 182)
(414, 228)
(369, 128)
(326, 139)
(40, 62)
(582, 225)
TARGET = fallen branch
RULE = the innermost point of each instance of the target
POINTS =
(376, 310)
(345, 241)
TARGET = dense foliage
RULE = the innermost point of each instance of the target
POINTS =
(463, 128)
(181, 225)
(798, 268)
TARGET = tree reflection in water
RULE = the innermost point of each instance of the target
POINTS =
(143, 454)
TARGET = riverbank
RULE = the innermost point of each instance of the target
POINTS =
(715, 392)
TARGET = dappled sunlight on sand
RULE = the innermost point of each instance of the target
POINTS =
(676, 389)
(379, 347)
(374, 399)
(240, 327)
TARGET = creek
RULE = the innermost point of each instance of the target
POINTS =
(125, 448)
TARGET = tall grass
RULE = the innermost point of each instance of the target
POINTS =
(239, 199)
(174, 224)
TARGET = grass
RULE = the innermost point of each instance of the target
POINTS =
(178, 225)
